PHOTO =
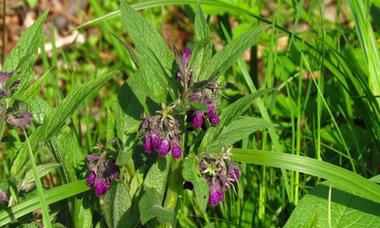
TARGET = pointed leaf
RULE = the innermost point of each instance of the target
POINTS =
(225, 58)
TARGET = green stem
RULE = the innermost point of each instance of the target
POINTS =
(43, 204)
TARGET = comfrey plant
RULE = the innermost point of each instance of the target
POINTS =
(169, 106)
(186, 125)
(162, 131)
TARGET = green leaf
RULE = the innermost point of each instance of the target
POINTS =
(82, 212)
(238, 130)
(42, 170)
(22, 57)
(39, 108)
(152, 52)
(346, 210)
(225, 58)
(150, 207)
(116, 203)
(156, 177)
(56, 119)
(67, 152)
(202, 51)
(375, 179)
(229, 113)
(191, 173)
(335, 174)
(149, 199)
(31, 204)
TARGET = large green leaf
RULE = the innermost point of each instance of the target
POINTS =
(336, 175)
(154, 59)
(156, 177)
(22, 57)
(191, 173)
(31, 204)
(229, 113)
(228, 56)
(345, 210)
(55, 120)
(116, 203)
(202, 51)
(237, 130)
(42, 170)
(150, 207)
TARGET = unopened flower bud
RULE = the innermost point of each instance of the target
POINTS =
(102, 186)
(148, 144)
(176, 149)
(164, 147)
(212, 115)
(91, 178)
(155, 141)
(197, 120)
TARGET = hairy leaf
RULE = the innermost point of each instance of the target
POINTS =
(42, 170)
(116, 203)
(152, 52)
(22, 57)
(237, 130)
(346, 210)
(225, 58)
(191, 173)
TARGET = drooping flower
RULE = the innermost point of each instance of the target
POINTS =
(175, 148)
(220, 173)
(161, 134)
(164, 147)
(212, 115)
(198, 119)
(102, 171)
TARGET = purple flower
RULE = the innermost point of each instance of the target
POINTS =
(5, 76)
(212, 115)
(186, 55)
(220, 173)
(176, 149)
(101, 186)
(215, 197)
(148, 144)
(102, 172)
(155, 141)
(197, 120)
(234, 172)
(164, 147)
(91, 178)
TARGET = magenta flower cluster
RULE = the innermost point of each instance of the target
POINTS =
(102, 171)
(220, 173)
(199, 116)
(161, 134)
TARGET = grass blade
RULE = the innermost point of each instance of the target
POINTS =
(51, 196)
(37, 180)
(314, 167)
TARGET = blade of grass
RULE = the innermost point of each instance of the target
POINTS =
(311, 166)
(51, 196)
(367, 39)
(41, 197)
